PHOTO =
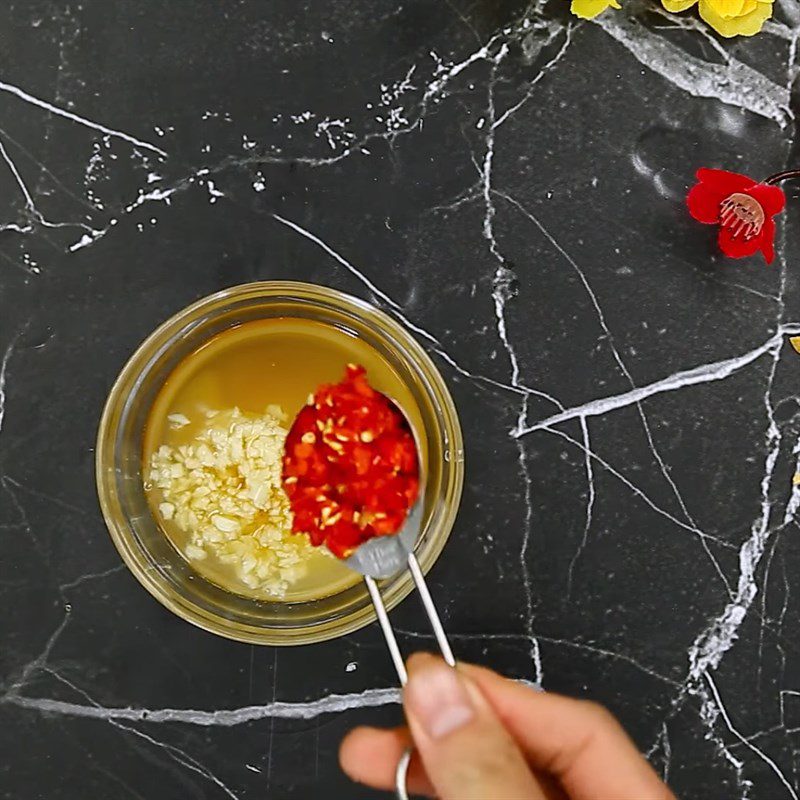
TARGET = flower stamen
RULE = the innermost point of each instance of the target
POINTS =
(742, 215)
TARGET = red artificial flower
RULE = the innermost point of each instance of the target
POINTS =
(743, 209)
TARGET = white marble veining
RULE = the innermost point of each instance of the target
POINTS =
(474, 87)
(733, 82)
(63, 112)
(332, 704)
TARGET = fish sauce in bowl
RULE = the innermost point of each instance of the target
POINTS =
(213, 436)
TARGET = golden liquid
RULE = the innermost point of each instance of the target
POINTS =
(273, 361)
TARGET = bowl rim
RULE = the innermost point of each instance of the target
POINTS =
(413, 351)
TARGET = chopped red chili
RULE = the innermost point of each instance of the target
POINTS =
(350, 465)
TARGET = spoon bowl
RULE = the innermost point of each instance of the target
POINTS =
(384, 556)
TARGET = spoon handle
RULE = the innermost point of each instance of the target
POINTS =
(394, 650)
(386, 627)
(430, 610)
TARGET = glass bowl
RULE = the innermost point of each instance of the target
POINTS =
(147, 551)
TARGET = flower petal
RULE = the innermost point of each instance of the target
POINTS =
(728, 8)
(768, 241)
(738, 246)
(676, 6)
(704, 202)
(771, 198)
(727, 182)
(746, 25)
(588, 9)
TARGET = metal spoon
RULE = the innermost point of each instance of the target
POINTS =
(383, 557)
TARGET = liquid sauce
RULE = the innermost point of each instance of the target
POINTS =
(279, 361)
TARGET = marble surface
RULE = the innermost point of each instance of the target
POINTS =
(510, 182)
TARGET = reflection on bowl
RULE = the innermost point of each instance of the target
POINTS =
(151, 556)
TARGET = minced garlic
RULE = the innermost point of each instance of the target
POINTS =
(224, 490)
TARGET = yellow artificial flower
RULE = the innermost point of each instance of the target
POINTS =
(588, 9)
(728, 17)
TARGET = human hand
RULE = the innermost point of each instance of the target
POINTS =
(483, 737)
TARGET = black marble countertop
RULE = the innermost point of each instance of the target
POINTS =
(508, 180)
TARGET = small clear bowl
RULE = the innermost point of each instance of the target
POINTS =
(150, 555)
